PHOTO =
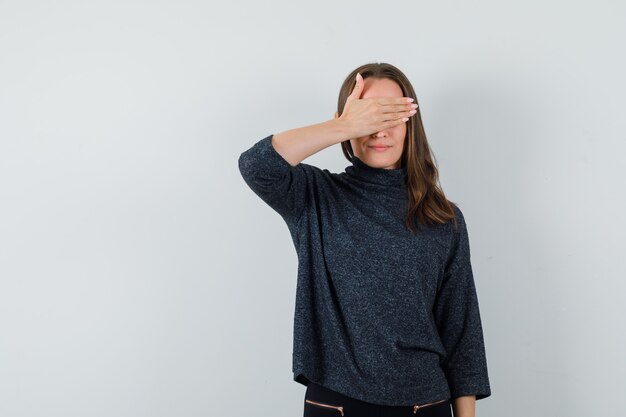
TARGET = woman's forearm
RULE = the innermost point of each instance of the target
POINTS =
(464, 406)
(297, 144)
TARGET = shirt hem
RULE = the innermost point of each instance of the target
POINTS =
(406, 396)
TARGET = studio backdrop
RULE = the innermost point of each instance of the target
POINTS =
(140, 276)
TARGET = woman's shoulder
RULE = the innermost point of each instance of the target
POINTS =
(458, 213)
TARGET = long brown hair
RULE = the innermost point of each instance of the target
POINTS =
(425, 198)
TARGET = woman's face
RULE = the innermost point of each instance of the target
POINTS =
(381, 149)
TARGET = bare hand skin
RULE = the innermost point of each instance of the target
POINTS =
(373, 114)
(464, 406)
(359, 118)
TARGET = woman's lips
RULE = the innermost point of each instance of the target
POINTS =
(379, 148)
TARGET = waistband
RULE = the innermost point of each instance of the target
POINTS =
(320, 396)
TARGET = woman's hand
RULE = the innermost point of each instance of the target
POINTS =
(363, 117)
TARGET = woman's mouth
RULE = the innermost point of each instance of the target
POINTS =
(379, 148)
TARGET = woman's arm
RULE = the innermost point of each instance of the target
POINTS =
(272, 166)
(464, 406)
(297, 144)
(457, 315)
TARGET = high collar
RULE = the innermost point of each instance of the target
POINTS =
(382, 176)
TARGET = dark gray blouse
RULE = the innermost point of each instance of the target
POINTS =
(381, 315)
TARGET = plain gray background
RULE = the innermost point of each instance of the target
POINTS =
(139, 276)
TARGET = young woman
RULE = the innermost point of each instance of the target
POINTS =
(387, 321)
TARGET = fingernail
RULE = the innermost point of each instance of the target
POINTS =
(410, 100)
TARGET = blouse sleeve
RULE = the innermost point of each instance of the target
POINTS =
(457, 316)
(278, 183)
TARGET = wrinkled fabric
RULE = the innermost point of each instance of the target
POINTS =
(381, 315)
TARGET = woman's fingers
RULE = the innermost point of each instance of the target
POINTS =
(358, 89)
(372, 114)
(384, 117)
(392, 123)
(390, 101)
(399, 108)
(395, 111)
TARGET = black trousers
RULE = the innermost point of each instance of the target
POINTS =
(323, 402)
